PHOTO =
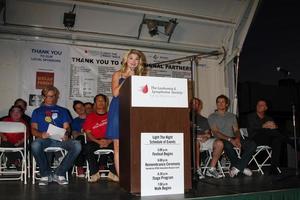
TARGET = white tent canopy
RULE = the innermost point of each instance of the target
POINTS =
(203, 26)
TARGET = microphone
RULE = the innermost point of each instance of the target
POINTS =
(284, 71)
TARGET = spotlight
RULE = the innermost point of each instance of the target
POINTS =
(69, 19)
(169, 27)
(152, 26)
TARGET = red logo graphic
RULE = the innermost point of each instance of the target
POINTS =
(145, 89)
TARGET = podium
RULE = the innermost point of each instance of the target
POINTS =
(151, 104)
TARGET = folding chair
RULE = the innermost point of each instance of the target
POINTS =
(99, 152)
(13, 127)
(35, 170)
(262, 148)
(209, 153)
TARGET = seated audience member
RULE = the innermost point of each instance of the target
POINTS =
(224, 126)
(13, 139)
(23, 104)
(50, 113)
(77, 133)
(95, 129)
(263, 131)
(205, 140)
(89, 107)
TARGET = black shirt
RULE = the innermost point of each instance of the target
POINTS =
(255, 123)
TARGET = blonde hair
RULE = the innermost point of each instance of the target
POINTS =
(50, 88)
(140, 68)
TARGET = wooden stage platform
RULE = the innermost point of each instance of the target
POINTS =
(258, 186)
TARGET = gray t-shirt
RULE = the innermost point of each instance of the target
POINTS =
(201, 124)
(224, 123)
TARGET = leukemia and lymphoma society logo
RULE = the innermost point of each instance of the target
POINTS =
(145, 89)
(160, 90)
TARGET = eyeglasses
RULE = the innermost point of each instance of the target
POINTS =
(50, 96)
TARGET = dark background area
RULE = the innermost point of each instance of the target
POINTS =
(273, 41)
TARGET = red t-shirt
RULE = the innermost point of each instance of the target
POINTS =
(96, 124)
(14, 137)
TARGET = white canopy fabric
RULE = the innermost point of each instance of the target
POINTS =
(203, 26)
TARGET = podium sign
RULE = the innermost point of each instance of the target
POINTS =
(159, 92)
(158, 108)
(162, 164)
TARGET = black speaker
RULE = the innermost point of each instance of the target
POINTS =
(69, 19)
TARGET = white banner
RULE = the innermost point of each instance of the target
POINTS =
(162, 164)
(92, 68)
(44, 64)
(150, 91)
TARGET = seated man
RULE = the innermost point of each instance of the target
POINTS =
(13, 139)
(264, 131)
(89, 107)
(95, 129)
(50, 113)
(224, 126)
(205, 140)
(77, 133)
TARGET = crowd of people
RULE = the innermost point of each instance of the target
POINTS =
(220, 134)
(96, 126)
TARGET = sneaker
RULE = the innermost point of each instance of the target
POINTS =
(61, 180)
(200, 174)
(80, 172)
(94, 178)
(44, 180)
(113, 177)
(212, 172)
(247, 172)
(233, 172)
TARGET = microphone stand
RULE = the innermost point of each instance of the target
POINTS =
(295, 137)
(193, 122)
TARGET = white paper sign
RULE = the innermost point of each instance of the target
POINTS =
(56, 133)
(150, 91)
(162, 164)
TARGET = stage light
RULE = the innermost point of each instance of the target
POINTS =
(152, 27)
(169, 27)
(69, 18)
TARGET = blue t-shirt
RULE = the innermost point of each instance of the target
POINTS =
(45, 115)
(77, 124)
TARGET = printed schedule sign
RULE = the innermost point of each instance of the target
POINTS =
(162, 166)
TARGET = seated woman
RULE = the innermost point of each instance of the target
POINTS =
(14, 139)
(95, 129)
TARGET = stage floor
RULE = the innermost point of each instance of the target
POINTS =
(208, 188)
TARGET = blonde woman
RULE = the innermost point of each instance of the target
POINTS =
(132, 64)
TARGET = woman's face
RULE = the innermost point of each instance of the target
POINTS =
(16, 114)
(133, 61)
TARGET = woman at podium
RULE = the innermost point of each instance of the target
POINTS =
(132, 64)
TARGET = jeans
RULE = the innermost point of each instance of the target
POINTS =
(89, 150)
(11, 156)
(73, 148)
(248, 148)
(272, 138)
